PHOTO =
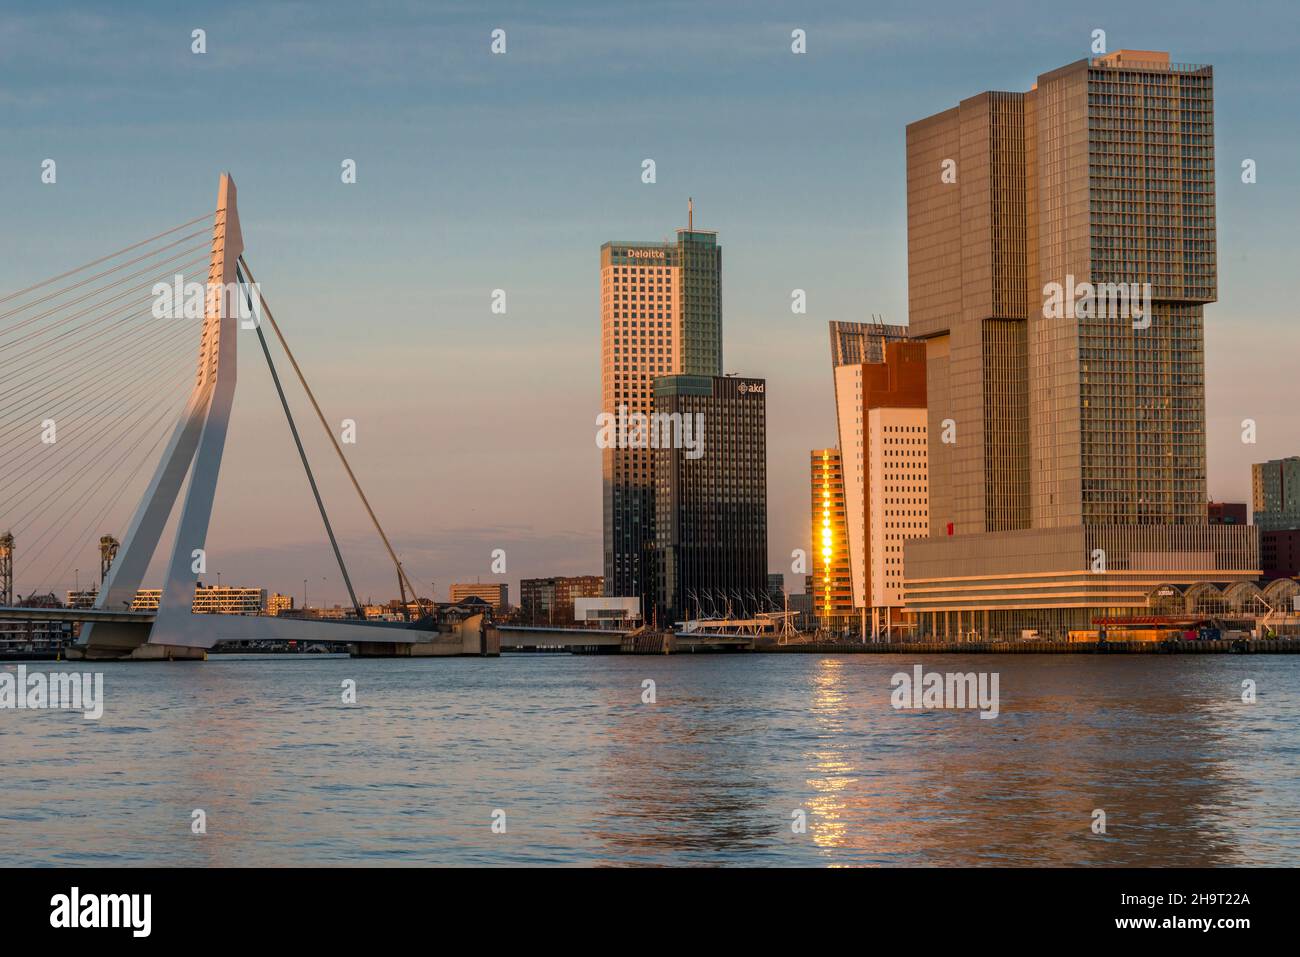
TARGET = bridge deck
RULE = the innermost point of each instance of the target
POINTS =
(76, 614)
(220, 628)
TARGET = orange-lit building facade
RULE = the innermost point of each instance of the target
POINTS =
(881, 411)
(832, 591)
(1068, 461)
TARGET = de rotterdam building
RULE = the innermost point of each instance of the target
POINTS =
(1067, 462)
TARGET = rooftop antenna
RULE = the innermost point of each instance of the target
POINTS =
(690, 214)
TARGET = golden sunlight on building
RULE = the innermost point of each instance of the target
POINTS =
(832, 592)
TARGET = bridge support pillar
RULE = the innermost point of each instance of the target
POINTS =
(467, 638)
(168, 653)
(141, 652)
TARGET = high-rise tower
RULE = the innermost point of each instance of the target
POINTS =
(1061, 250)
(661, 314)
(710, 546)
(832, 589)
(881, 411)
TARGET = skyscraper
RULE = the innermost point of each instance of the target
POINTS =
(711, 499)
(880, 415)
(1061, 250)
(881, 411)
(661, 314)
(831, 589)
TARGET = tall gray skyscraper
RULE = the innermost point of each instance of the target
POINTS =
(711, 498)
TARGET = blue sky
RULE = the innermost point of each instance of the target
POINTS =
(478, 172)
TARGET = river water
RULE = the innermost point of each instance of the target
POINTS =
(574, 768)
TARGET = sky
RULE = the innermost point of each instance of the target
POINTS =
(475, 172)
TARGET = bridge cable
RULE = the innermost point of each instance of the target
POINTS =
(73, 467)
(167, 405)
(51, 536)
(302, 453)
(98, 519)
(103, 259)
(89, 309)
(84, 463)
(144, 381)
(403, 582)
(89, 279)
(50, 376)
(37, 333)
(117, 433)
(116, 347)
(89, 387)
(73, 406)
(47, 539)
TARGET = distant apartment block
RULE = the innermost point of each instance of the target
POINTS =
(495, 594)
(81, 599)
(277, 604)
(1275, 502)
(550, 600)
(210, 600)
(1275, 493)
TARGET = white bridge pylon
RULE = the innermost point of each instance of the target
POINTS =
(195, 449)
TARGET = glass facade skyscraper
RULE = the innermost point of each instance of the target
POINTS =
(711, 502)
(832, 589)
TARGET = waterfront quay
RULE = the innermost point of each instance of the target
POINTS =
(491, 641)
(668, 643)
(1265, 646)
